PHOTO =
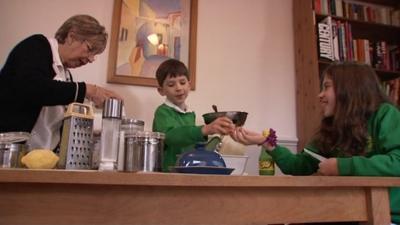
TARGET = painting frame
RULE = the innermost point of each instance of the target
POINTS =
(150, 81)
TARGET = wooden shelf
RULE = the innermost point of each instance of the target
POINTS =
(391, 3)
(369, 30)
(384, 75)
(309, 66)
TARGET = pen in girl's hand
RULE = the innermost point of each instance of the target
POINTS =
(315, 155)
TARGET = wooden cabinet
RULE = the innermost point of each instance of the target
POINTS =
(309, 66)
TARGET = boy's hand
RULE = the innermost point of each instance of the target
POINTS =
(221, 125)
(247, 137)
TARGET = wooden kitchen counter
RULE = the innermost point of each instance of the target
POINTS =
(92, 197)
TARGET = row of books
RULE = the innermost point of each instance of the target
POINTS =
(358, 11)
(335, 43)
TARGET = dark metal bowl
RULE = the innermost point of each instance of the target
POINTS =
(237, 117)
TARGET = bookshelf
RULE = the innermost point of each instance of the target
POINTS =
(308, 64)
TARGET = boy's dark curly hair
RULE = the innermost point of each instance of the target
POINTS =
(171, 67)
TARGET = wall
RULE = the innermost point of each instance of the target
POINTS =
(245, 58)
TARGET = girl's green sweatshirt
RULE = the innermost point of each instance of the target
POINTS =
(382, 158)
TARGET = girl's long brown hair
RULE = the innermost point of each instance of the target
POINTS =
(358, 96)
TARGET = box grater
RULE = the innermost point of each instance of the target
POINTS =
(77, 137)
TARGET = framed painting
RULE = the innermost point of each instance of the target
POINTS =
(145, 33)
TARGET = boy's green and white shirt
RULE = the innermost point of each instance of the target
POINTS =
(181, 132)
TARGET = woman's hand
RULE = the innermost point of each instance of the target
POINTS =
(328, 167)
(99, 95)
(221, 125)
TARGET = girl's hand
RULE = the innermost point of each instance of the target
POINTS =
(247, 137)
(328, 167)
(221, 125)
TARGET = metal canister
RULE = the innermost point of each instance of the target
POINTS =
(12, 148)
(128, 126)
(144, 151)
(11, 154)
(111, 123)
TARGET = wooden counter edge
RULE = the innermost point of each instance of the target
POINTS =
(175, 179)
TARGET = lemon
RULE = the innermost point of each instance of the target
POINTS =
(40, 159)
(265, 133)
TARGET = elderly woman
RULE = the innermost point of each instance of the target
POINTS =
(36, 85)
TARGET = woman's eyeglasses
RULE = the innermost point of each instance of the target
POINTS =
(90, 49)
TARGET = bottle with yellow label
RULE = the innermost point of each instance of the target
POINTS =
(266, 164)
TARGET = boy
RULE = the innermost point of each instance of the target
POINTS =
(175, 119)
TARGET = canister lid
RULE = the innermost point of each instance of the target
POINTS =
(127, 121)
(146, 134)
(14, 137)
(112, 108)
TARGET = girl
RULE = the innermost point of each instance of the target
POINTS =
(359, 131)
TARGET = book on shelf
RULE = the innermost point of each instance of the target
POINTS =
(362, 51)
(342, 44)
(367, 51)
(385, 56)
(395, 17)
(335, 40)
(329, 7)
(392, 90)
(338, 8)
(349, 41)
(356, 56)
(317, 6)
(325, 41)
(394, 57)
